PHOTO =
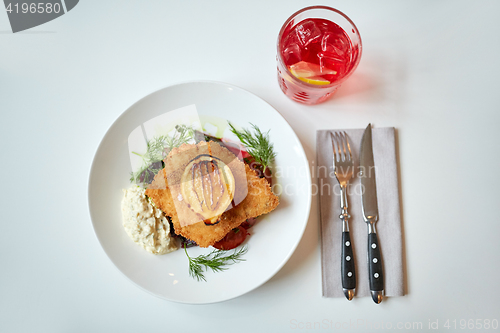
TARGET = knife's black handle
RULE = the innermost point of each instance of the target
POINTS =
(348, 271)
(375, 264)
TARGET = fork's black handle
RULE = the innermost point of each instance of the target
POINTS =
(375, 264)
(348, 271)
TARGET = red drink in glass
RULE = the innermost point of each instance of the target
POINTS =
(318, 48)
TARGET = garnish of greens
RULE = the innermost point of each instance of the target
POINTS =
(156, 150)
(257, 144)
(215, 260)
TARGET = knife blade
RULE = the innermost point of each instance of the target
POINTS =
(370, 214)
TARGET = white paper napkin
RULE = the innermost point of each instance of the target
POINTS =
(389, 221)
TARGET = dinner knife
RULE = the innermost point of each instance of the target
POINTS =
(370, 214)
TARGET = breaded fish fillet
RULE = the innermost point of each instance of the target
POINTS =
(222, 186)
(259, 200)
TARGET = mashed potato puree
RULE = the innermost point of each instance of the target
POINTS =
(145, 224)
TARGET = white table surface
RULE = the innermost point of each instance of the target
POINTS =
(429, 68)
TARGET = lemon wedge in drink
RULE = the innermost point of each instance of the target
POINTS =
(311, 73)
(314, 80)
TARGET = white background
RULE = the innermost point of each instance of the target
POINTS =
(429, 68)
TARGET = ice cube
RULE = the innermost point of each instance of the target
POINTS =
(334, 44)
(291, 49)
(327, 63)
(307, 32)
(335, 51)
(330, 56)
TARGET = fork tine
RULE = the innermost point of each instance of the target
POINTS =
(344, 149)
(340, 144)
(348, 146)
(339, 147)
(335, 159)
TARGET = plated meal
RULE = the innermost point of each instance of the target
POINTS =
(273, 236)
(197, 189)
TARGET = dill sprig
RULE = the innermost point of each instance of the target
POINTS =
(156, 150)
(186, 133)
(215, 260)
(150, 159)
(258, 144)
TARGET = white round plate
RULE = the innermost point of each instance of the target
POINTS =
(273, 239)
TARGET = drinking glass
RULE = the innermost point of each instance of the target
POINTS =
(319, 47)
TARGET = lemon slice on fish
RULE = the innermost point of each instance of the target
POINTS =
(208, 186)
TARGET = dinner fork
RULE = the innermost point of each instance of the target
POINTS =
(343, 166)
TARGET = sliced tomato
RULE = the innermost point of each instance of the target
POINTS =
(249, 223)
(233, 239)
(245, 154)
